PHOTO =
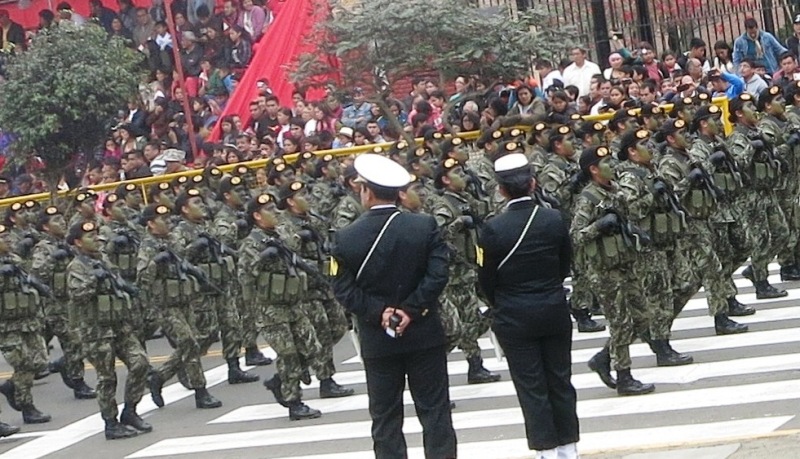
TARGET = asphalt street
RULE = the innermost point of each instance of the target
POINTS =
(740, 386)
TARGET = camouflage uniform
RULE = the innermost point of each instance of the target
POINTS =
(50, 259)
(105, 325)
(346, 211)
(276, 289)
(162, 285)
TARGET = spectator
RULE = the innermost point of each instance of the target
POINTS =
(793, 42)
(229, 131)
(418, 91)
(191, 54)
(118, 30)
(174, 160)
(12, 35)
(648, 93)
(375, 131)
(726, 84)
(136, 118)
(469, 122)
(230, 14)
(361, 136)
(206, 21)
(47, 19)
(214, 49)
(695, 69)
(581, 71)
(697, 50)
(5, 187)
(155, 158)
(252, 19)
(136, 166)
(345, 138)
(127, 139)
(193, 5)
(284, 124)
(528, 104)
(670, 62)
(144, 31)
(654, 69)
(111, 149)
(548, 74)
(181, 24)
(722, 57)
(789, 73)
(462, 88)
(615, 72)
(757, 45)
(359, 112)
(239, 48)
(65, 13)
(157, 11)
(101, 14)
(127, 13)
(322, 120)
(754, 84)
(291, 145)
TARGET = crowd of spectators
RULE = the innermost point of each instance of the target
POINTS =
(151, 136)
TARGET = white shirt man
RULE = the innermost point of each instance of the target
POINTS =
(580, 72)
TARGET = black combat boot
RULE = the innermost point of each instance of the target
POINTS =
(747, 273)
(60, 366)
(183, 378)
(254, 358)
(238, 376)
(305, 377)
(33, 416)
(274, 385)
(585, 322)
(202, 399)
(156, 384)
(81, 390)
(765, 291)
(118, 431)
(299, 411)
(7, 429)
(8, 389)
(737, 309)
(477, 374)
(626, 385)
(666, 356)
(130, 417)
(725, 326)
(328, 388)
(42, 374)
(790, 273)
(601, 364)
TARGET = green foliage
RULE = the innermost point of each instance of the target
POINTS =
(451, 37)
(62, 92)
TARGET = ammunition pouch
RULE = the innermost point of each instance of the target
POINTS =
(281, 288)
(663, 228)
(216, 275)
(107, 310)
(726, 182)
(763, 176)
(59, 286)
(17, 306)
(609, 252)
(126, 262)
(699, 203)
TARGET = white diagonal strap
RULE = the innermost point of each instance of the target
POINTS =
(375, 244)
(521, 237)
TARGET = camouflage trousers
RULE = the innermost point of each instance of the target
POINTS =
(328, 318)
(695, 264)
(465, 302)
(296, 344)
(653, 292)
(249, 318)
(178, 324)
(626, 320)
(768, 232)
(219, 316)
(102, 354)
(790, 254)
(150, 319)
(58, 326)
(26, 352)
(581, 296)
(448, 314)
(731, 243)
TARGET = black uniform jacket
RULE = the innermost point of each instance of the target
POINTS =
(408, 269)
(527, 293)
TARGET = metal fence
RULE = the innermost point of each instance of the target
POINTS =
(666, 24)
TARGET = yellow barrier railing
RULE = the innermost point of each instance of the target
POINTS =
(722, 102)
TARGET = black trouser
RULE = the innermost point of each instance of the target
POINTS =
(541, 370)
(428, 383)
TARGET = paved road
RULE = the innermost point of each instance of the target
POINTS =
(740, 386)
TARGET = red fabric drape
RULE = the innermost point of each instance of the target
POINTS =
(28, 17)
(283, 42)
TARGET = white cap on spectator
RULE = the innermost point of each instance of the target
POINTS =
(173, 154)
(347, 132)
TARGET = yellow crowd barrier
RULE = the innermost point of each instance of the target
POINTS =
(143, 183)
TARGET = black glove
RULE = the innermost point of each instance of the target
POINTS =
(270, 253)
(575, 183)
(696, 176)
(757, 144)
(793, 139)
(25, 245)
(608, 223)
(660, 187)
(718, 158)
(242, 226)
(8, 270)
(120, 241)
(162, 258)
(467, 221)
(199, 244)
(60, 254)
(306, 235)
(99, 274)
(129, 288)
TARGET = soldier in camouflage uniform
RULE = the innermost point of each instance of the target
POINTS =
(623, 121)
(50, 258)
(349, 207)
(215, 314)
(457, 216)
(85, 211)
(763, 217)
(729, 233)
(561, 178)
(696, 263)
(132, 199)
(166, 285)
(21, 218)
(326, 189)
(325, 313)
(793, 119)
(100, 309)
(20, 334)
(270, 278)
(161, 193)
(652, 206)
(785, 139)
(229, 227)
(595, 234)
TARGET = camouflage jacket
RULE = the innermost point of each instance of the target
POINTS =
(19, 305)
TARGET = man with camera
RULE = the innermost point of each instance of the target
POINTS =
(390, 268)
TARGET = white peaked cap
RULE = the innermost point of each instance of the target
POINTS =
(380, 170)
(510, 162)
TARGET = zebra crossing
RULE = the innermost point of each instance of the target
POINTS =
(740, 385)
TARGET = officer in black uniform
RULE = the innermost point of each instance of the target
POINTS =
(390, 269)
(524, 255)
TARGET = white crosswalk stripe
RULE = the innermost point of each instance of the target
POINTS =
(739, 385)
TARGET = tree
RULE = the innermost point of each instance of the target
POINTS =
(379, 42)
(62, 93)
